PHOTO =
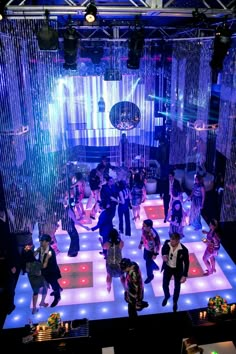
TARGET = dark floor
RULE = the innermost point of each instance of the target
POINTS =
(154, 332)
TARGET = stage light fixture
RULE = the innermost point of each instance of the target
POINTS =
(2, 13)
(47, 36)
(3, 4)
(91, 13)
(222, 43)
(71, 39)
(135, 48)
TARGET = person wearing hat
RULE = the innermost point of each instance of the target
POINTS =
(51, 272)
(134, 289)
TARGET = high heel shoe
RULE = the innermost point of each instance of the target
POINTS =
(43, 304)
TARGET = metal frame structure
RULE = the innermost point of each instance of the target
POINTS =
(162, 19)
(141, 7)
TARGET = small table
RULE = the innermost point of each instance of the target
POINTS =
(227, 347)
(220, 348)
(69, 329)
(201, 318)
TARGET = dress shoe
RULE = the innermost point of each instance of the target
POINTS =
(164, 302)
(175, 306)
(55, 301)
(149, 279)
(141, 305)
(165, 220)
(53, 292)
(73, 254)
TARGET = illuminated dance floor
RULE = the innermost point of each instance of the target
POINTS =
(83, 280)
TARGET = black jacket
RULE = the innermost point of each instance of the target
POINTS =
(52, 271)
(182, 263)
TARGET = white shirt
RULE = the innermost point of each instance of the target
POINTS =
(173, 255)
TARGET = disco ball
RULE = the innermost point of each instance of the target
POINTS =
(125, 115)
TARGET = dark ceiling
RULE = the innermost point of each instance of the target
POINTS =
(161, 19)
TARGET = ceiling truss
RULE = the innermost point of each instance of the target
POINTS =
(142, 7)
(162, 19)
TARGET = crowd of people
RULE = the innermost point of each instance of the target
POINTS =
(107, 198)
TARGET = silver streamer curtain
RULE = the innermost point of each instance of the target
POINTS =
(46, 111)
(190, 96)
(226, 135)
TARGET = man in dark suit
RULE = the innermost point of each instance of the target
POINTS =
(175, 263)
(104, 225)
(51, 272)
(109, 195)
(170, 188)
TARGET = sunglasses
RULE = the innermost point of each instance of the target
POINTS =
(171, 256)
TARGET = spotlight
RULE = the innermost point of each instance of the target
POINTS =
(91, 13)
(135, 52)
(222, 43)
(3, 4)
(2, 13)
(71, 38)
(47, 36)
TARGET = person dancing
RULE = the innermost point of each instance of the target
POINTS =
(68, 223)
(176, 218)
(197, 198)
(114, 255)
(134, 290)
(212, 241)
(175, 263)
